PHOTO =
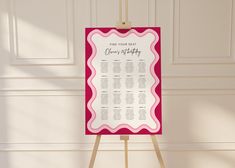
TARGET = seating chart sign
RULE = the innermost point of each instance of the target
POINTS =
(123, 81)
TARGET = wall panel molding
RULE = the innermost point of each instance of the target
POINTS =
(17, 59)
(81, 92)
(118, 146)
(151, 13)
(50, 84)
(43, 93)
(200, 83)
(45, 84)
(177, 58)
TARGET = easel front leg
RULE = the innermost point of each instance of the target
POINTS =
(157, 150)
(94, 152)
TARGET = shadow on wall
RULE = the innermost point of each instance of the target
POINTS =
(207, 120)
(3, 123)
(7, 124)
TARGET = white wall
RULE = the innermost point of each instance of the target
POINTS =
(42, 83)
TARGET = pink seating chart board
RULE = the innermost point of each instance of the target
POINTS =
(123, 81)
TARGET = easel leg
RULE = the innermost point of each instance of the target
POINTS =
(94, 152)
(125, 138)
(157, 150)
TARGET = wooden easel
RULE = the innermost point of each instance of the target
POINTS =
(125, 25)
(125, 138)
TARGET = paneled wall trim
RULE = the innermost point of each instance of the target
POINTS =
(110, 10)
(41, 34)
(204, 32)
(202, 64)
(117, 146)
